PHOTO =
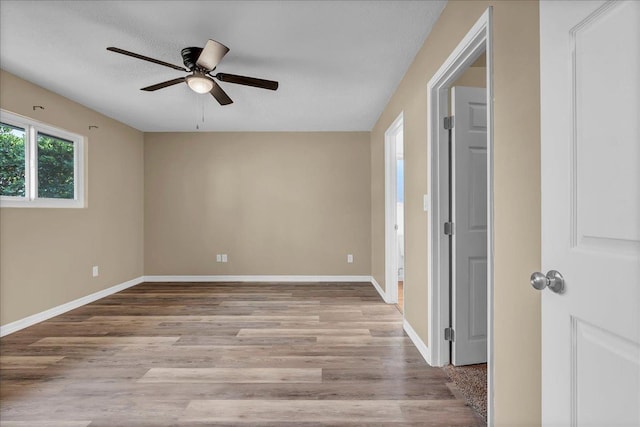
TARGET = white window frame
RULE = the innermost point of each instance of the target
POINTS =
(31, 199)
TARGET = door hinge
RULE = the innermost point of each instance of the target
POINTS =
(448, 122)
(448, 228)
(448, 334)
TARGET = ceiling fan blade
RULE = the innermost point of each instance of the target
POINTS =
(220, 95)
(211, 55)
(163, 84)
(146, 58)
(247, 81)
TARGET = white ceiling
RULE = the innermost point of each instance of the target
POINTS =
(338, 62)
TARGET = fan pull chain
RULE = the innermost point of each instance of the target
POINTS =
(202, 109)
(197, 124)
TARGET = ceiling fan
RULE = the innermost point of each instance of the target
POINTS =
(201, 62)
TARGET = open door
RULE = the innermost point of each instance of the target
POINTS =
(469, 213)
(590, 115)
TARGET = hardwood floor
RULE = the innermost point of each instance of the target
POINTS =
(225, 354)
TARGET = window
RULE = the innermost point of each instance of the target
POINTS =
(40, 166)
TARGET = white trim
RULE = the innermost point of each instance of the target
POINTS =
(15, 202)
(390, 204)
(265, 279)
(31, 200)
(476, 41)
(12, 327)
(490, 219)
(417, 341)
(376, 285)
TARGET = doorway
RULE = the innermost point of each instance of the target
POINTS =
(467, 236)
(459, 315)
(394, 213)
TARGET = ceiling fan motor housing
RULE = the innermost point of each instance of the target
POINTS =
(190, 56)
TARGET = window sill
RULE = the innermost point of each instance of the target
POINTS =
(42, 203)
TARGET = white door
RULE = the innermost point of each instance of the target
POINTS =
(590, 113)
(469, 281)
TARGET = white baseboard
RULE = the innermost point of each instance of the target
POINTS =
(420, 345)
(267, 279)
(12, 327)
(376, 285)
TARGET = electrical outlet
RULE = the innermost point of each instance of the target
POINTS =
(218, 258)
(350, 258)
(95, 271)
(224, 257)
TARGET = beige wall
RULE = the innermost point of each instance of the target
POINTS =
(472, 77)
(516, 192)
(46, 255)
(276, 203)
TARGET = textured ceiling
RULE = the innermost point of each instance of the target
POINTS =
(338, 62)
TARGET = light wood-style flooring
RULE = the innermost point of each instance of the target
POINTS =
(185, 354)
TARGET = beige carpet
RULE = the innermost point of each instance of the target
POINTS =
(471, 382)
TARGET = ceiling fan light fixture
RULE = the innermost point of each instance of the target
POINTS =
(199, 83)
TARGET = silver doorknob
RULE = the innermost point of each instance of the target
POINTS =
(553, 280)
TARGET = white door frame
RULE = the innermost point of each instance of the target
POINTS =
(476, 41)
(390, 212)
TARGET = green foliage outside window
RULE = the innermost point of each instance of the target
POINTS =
(12, 168)
(55, 164)
(55, 167)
